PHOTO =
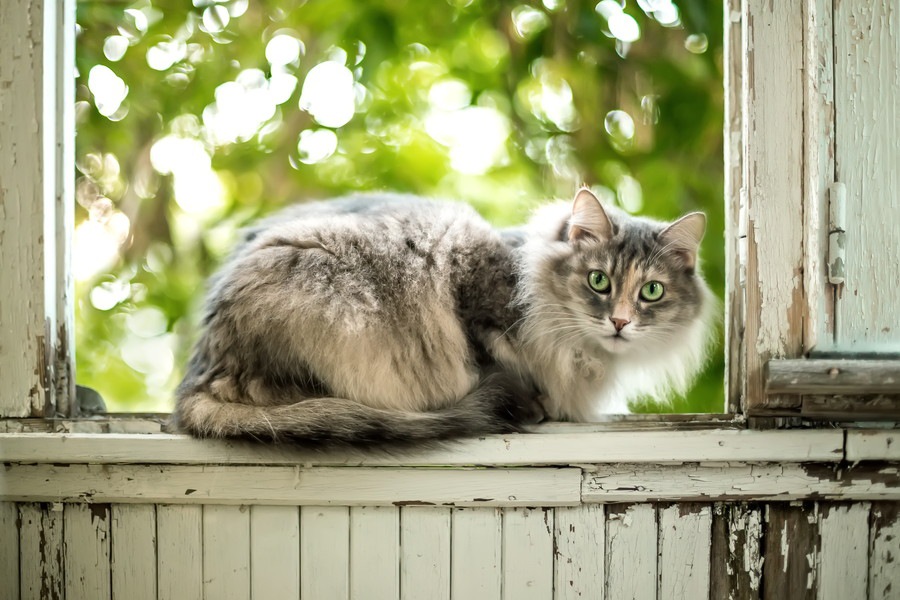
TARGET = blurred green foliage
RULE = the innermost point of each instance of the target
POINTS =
(192, 121)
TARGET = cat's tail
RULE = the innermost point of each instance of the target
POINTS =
(499, 404)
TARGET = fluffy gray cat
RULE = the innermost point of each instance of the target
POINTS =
(388, 319)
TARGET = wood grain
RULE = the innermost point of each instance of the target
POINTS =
(275, 552)
(580, 535)
(374, 553)
(226, 552)
(42, 551)
(324, 553)
(133, 553)
(736, 552)
(843, 556)
(684, 550)
(884, 551)
(86, 554)
(527, 553)
(791, 551)
(424, 553)
(631, 551)
(832, 376)
(179, 547)
(9, 549)
(475, 553)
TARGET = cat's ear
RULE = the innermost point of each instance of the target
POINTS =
(684, 237)
(588, 218)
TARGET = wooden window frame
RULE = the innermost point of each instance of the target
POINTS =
(777, 160)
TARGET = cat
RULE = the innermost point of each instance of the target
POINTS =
(380, 320)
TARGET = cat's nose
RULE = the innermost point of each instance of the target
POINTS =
(619, 324)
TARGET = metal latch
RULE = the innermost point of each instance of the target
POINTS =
(837, 201)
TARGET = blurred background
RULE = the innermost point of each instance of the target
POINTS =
(195, 118)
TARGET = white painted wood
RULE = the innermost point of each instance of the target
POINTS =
(515, 449)
(843, 556)
(884, 550)
(324, 553)
(527, 553)
(631, 553)
(41, 549)
(9, 549)
(873, 445)
(36, 137)
(867, 146)
(475, 553)
(226, 552)
(640, 483)
(580, 543)
(179, 546)
(275, 552)
(293, 486)
(424, 553)
(772, 139)
(134, 574)
(818, 170)
(684, 551)
(374, 553)
(87, 536)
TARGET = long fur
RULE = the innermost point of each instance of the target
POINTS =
(390, 320)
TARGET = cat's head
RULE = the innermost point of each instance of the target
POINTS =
(629, 285)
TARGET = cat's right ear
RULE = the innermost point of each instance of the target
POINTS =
(588, 218)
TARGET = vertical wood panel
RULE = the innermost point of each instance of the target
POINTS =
(631, 551)
(179, 547)
(424, 553)
(36, 135)
(867, 145)
(475, 553)
(884, 551)
(791, 550)
(736, 559)
(275, 552)
(580, 545)
(684, 544)
(41, 547)
(9, 549)
(87, 537)
(324, 552)
(818, 170)
(772, 138)
(226, 552)
(527, 553)
(134, 552)
(843, 557)
(374, 553)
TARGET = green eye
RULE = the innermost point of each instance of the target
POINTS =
(599, 282)
(652, 291)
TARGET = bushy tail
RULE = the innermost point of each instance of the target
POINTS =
(498, 405)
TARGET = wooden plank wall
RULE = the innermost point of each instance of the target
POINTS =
(692, 550)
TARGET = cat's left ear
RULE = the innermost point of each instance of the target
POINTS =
(684, 237)
(588, 218)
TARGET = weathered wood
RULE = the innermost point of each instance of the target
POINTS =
(134, 565)
(375, 553)
(41, 548)
(832, 376)
(324, 553)
(736, 557)
(86, 555)
(275, 552)
(843, 555)
(293, 486)
(884, 551)
(684, 550)
(791, 551)
(867, 147)
(126, 424)
(873, 445)
(9, 549)
(851, 408)
(475, 553)
(527, 553)
(772, 139)
(735, 223)
(424, 553)
(179, 547)
(515, 449)
(631, 551)
(818, 170)
(226, 552)
(36, 208)
(580, 535)
(638, 483)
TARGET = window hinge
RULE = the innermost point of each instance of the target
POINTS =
(837, 197)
